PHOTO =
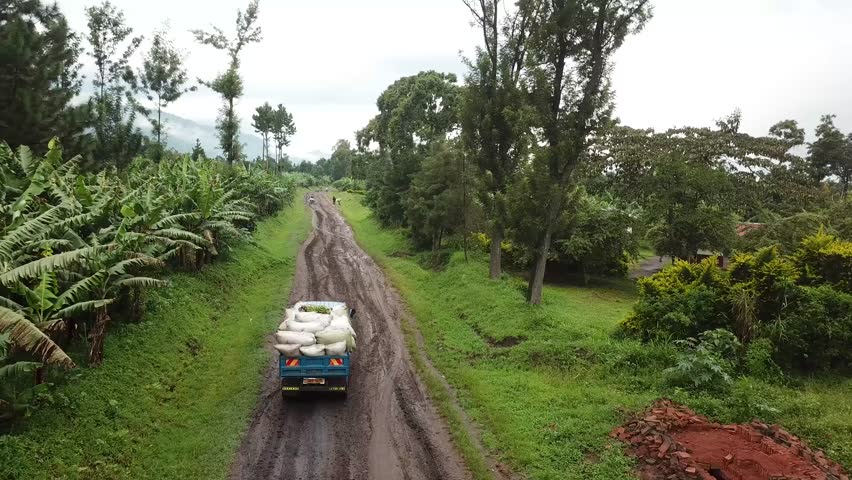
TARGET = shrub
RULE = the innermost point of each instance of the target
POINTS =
(815, 331)
(801, 303)
(759, 361)
(707, 363)
(348, 184)
(824, 258)
(680, 302)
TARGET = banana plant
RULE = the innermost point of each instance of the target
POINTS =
(13, 398)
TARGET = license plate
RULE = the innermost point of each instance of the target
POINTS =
(313, 381)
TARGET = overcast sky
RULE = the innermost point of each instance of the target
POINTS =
(697, 60)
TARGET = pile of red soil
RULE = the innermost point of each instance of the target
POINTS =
(674, 443)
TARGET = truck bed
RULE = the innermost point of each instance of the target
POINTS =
(328, 373)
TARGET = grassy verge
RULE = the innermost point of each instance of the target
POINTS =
(548, 383)
(176, 389)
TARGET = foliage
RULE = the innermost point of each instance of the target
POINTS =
(282, 128)
(16, 393)
(800, 302)
(495, 117)
(759, 362)
(601, 238)
(706, 363)
(571, 53)
(316, 309)
(690, 207)
(414, 112)
(831, 154)
(77, 250)
(341, 162)
(163, 78)
(435, 196)
(113, 106)
(262, 121)
(824, 259)
(348, 184)
(577, 378)
(40, 77)
(197, 151)
(159, 396)
(229, 84)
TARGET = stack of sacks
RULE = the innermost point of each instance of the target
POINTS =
(315, 334)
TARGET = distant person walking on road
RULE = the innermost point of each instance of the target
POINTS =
(333, 200)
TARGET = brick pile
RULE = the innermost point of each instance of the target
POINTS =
(672, 442)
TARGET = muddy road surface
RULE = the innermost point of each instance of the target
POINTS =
(386, 429)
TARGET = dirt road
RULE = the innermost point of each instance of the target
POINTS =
(386, 429)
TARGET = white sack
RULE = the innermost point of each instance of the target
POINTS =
(310, 327)
(290, 314)
(340, 311)
(289, 350)
(332, 336)
(313, 317)
(301, 338)
(338, 348)
(342, 324)
(313, 350)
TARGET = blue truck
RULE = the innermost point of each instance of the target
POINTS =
(328, 373)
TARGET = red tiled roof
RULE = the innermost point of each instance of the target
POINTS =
(744, 228)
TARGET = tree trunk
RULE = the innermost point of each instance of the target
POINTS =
(159, 126)
(231, 141)
(69, 333)
(496, 253)
(97, 337)
(536, 284)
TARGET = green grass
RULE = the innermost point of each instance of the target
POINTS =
(176, 389)
(547, 403)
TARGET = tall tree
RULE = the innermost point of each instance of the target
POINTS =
(283, 128)
(831, 154)
(414, 112)
(229, 84)
(341, 160)
(571, 53)
(39, 77)
(495, 127)
(262, 122)
(163, 80)
(198, 151)
(434, 205)
(113, 105)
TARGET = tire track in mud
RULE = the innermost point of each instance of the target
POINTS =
(387, 429)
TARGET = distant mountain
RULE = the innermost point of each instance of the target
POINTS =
(182, 132)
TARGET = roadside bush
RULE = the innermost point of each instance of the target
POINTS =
(815, 331)
(707, 363)
(759, 361)
(680, 302)
(348, 184)
(801, 303)
(824, 258)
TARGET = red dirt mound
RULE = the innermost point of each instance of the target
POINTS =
(675, 443)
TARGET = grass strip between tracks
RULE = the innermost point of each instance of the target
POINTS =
(176, 390)
(547, 384)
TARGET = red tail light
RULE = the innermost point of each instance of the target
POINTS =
(291, 362)
(335, 362)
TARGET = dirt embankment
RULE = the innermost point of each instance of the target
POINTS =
(673, 442)
(387, 428)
